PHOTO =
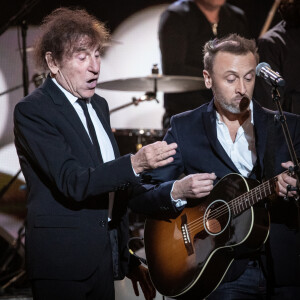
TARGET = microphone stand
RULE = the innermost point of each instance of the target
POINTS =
(26, 8)
(24, 58)
(282, 119)
(19, 18)
(295, 169)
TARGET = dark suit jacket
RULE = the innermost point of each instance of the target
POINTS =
(200, 151)
(67, 229)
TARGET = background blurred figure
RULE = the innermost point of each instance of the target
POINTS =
(184, 28)
(257, 12)
(280, 48)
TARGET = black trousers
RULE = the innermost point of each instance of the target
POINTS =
(98, 286)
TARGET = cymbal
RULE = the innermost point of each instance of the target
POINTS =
(28, 49)
(163, 83)
(111, 42)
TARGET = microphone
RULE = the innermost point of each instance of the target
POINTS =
(271, 77)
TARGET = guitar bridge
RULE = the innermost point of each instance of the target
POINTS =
(186, 235)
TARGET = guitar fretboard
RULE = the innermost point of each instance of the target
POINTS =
(246, 200)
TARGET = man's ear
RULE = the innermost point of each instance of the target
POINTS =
(52, 65)
(207, 79)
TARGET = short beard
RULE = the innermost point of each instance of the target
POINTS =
(244, 104)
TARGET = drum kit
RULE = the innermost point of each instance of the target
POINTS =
(131, 140)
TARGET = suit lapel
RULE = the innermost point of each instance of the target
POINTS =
(209, 123)
(261, 119)
(70, 115)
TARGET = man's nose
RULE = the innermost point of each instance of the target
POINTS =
(94, 65)
(241, 87)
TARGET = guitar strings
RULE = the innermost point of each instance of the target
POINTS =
(223, 209)
(194, 225)
(233, 204)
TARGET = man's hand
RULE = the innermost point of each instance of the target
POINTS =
(284, 180)
(193, 186)
(141, 274)
(153, 156)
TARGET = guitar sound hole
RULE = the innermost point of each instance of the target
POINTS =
(217, 217)
(213, 225)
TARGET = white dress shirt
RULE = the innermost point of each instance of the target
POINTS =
(105, 145)
(242, 151)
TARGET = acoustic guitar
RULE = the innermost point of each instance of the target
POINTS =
(188, 256)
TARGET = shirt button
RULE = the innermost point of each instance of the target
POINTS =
(102, 223)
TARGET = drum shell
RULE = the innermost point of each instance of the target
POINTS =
(131, 140)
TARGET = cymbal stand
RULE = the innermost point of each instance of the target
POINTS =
(37, 79)
(8, 257)
(24, 27)
(147, 97)
(17, 19)
(11, 251)
(18, 275)
(6, 187)
(11, 89)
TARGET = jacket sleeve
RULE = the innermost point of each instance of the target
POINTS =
(40, 143)
(153, 197)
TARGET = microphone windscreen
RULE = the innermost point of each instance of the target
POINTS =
(260, 66)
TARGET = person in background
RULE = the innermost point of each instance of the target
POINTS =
(77, 227)
(280, 48)
(184, 27)
(233, 134)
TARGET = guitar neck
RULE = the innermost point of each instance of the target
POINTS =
(248, 199)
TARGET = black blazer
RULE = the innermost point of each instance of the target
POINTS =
(200, 151)
(67, 231)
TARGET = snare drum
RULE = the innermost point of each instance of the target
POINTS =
(131, 140)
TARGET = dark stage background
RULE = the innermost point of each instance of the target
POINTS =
(113, 12)
(124, 59)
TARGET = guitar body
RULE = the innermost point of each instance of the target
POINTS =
(188, 256)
